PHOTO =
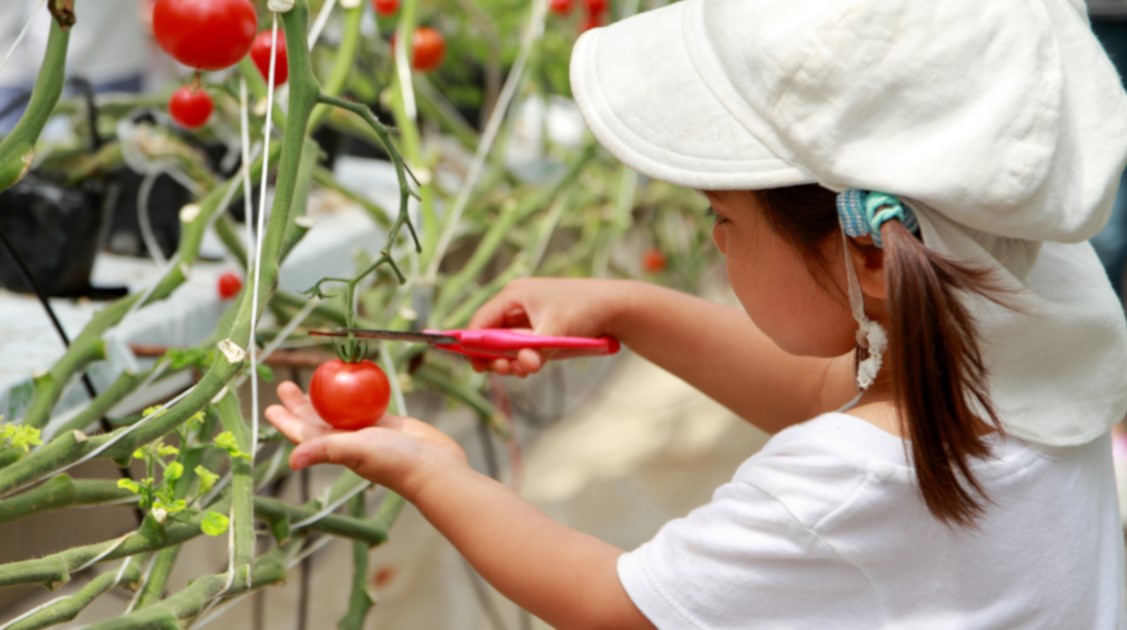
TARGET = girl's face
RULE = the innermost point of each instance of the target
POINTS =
(777, 286)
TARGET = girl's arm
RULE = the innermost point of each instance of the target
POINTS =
(715, 348)
(565, 577)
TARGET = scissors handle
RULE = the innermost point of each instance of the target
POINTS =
(503, 343)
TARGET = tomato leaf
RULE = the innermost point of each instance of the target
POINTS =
(214, 524)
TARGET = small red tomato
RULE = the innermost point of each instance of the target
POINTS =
(429, 48)
(260, 55)
(229, 285)
(596, 7)
(190, 107)
(560, 7)
(386, 7)
(205, 34)
(593, 20)
(653, 260)
(349, 396)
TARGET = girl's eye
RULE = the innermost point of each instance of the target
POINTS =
(715, 217)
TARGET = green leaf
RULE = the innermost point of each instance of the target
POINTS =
(129, 485)
(227, 441)
(214, 524)
(174, 471)
(171, 507)
(20, 436)
(207, 478)
(265, 373)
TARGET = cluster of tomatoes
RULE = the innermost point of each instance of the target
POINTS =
(428, 44)
(213, 35)
(595, 16)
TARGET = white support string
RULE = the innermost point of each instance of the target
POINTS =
(23, 34)
(47, 604)
(319, 23)
(533, 31)
(92, 561)
(145, 575)
(332, 507)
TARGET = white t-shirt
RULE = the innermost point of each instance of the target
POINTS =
(825, 528)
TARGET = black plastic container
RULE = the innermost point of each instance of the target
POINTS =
(56, 230)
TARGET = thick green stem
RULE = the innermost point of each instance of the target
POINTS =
(124, 385)
(153, 590)
(359, 601)
(58, 492)
(17, 149)
(67, 609)
(49, 386)
(56, 569)
(191, 601)
(68, 448)
(363, 532)
(242, 481)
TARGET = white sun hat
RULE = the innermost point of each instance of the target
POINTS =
(1002, 124)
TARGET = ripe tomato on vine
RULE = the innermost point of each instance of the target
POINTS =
(260, 55)
(349, 396)
(428, 48)
(560, 7)
(386, 7)
(205, 34)
(190, 106)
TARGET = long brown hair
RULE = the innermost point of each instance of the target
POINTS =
(934, 362)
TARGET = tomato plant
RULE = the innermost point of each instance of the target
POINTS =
(260, 55)
(386, 7)
(190, 106)
(205, 34)
(560, 7)
(229, 285)
(429, 48)
(349, 396)
(653, 261)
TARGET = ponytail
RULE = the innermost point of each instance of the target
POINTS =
(934, 360)
(937, 371)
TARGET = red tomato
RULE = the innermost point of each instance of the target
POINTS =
(596, 7)
(386, 7)
(349, 396)
(260, 55)
(190, 107)
(560, 7)
(205, 34)
(593, 20)
(653, 260)
(229, 285)
(429, 48)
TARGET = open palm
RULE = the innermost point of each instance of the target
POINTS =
(397, 452)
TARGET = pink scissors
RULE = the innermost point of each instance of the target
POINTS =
(488, 343)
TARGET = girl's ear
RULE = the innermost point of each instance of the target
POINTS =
(868, 262)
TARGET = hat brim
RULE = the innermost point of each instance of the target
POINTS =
(667, 124)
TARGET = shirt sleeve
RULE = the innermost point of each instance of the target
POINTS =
(741, 561)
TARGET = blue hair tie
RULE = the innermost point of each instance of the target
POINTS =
(862, 212)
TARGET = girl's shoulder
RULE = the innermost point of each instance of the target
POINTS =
(835, 462)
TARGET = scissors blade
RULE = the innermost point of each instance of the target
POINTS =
(390, 335)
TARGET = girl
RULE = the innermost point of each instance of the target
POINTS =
(941, 360)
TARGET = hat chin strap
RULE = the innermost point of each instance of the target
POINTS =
(870, 335)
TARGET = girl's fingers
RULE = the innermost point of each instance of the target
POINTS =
(296, 429)
(296, 401)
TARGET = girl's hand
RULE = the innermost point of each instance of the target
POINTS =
(398, 453)
(550, 306)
